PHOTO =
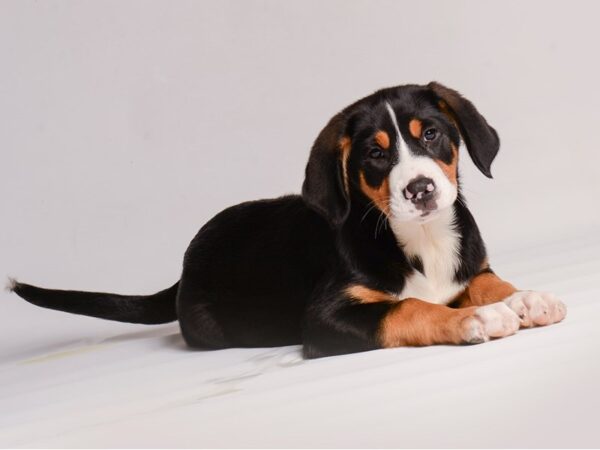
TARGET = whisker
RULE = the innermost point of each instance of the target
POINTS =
(382, 215)
(373, 205)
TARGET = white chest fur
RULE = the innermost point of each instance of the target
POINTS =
(436, 243)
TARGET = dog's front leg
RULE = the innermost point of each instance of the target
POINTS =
(358, 318)
(533, 308)
(414, 322)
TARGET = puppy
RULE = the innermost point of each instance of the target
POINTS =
(379, 251)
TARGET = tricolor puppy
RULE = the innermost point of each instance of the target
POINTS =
(379, 251)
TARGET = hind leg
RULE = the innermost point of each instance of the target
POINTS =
(195, 310)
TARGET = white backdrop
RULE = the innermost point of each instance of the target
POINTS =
(125, 125)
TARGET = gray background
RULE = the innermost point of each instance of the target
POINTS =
(124, 126)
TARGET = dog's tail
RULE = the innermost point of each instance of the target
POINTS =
(148, 309)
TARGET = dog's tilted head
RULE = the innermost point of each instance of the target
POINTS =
(397, 150)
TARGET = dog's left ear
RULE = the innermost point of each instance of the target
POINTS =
(481, 139)
(325, 189)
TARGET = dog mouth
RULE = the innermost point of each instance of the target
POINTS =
(420, 211)
(426, 206)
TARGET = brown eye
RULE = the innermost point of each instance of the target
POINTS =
(430, 134)
(376, 153)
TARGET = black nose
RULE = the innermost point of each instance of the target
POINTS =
(419, 190)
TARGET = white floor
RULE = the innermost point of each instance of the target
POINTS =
(137, 386)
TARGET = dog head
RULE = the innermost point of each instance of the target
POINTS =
(397, 150)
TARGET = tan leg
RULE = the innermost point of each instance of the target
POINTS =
(484, 289)
(415, 322)
(533, 308)
(360, 318)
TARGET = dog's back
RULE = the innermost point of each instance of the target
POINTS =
(246, 278)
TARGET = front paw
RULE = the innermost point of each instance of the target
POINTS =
(494, 321)
(536, 308)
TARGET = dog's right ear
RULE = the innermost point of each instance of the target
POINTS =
(325, 187)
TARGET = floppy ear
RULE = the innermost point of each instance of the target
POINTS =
(325, 189)
(481, 139)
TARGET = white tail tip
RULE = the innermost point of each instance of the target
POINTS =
(11, 284)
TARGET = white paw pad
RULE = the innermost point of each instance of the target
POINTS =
(491, 321)
(536, 308)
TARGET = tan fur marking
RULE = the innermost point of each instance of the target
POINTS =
(415, 322)
(415, 126)
(382, 139)
(484, 289)
(450, 170)
(380, 195)
(367, 295)
(345, 145)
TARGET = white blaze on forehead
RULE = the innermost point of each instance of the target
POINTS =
(400, 144)
(408, 168)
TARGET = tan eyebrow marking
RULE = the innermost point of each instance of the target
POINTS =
(415, 126)
(382, 139)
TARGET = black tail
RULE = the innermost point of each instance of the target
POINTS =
(148, 309)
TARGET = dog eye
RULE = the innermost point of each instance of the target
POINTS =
(430, 134)
(376, 153)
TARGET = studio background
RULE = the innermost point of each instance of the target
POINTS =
(126, 125)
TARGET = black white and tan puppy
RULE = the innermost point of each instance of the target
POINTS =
(379, 251)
